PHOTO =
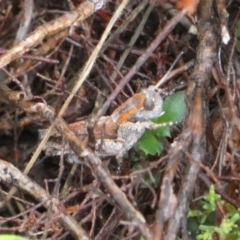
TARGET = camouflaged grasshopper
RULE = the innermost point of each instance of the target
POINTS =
(114, 135)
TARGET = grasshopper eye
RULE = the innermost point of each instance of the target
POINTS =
(148, 104)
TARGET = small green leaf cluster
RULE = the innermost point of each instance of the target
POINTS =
(151, 143)
(174, 108)
(202, 224)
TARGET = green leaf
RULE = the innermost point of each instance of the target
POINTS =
(194, 213)
(207, 232)
(209, 200)
(162, 132)
(149, 144)
(174, 107)
(175, 111)
(11, 237)
(207, 217)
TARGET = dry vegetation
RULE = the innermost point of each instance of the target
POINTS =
(56, 63)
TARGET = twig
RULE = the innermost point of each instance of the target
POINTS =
(12, 176)
(80, 150)
(134, 38)
(192, 139)
(27, 10)
(141, 60)
(83, 11)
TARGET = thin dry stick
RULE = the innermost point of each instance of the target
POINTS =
(82, 12)
(79, 148)
(124, 25)
(141, 60)
(80, 81)
(27, 10)
(223, 17)
(11, 175)
(98, 168)
(87, 68)
(192, 139)
(50, 28)
(133, 39)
